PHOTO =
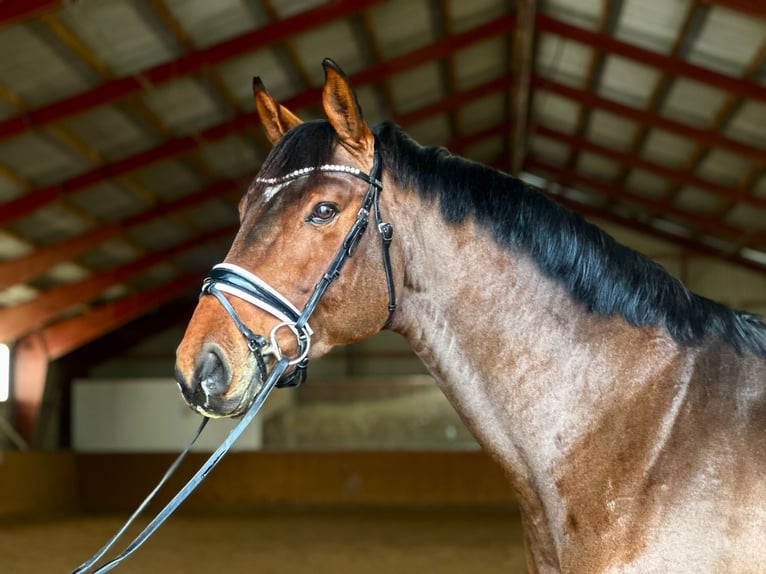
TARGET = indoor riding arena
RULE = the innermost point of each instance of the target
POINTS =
(128, 135)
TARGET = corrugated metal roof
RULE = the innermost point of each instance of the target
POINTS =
(131, 121)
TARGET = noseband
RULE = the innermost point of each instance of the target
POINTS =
(238, 282)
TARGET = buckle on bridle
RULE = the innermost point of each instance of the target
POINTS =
(302, 338)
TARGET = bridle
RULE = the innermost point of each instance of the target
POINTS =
(238, 282)
(233, 280)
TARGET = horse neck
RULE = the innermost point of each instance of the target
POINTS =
(528, 369)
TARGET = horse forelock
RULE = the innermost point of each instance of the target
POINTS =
(605, 276)
(309, 144)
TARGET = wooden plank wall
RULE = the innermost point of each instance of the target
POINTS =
(117, 483)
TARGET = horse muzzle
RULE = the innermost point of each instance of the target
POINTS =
(216, 389)
(222, 382)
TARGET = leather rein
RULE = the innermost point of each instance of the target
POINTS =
(238, 282)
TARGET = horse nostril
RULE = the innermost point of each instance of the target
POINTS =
(211, 373)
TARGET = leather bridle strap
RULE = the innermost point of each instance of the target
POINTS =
(350, 242)
(236, 281)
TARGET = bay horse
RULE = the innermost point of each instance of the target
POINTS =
(628, 413)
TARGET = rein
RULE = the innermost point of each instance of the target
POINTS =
(188, 488)
(238, 282)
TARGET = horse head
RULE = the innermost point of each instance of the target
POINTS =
(302, 220)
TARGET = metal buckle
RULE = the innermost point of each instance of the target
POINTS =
(301, 336)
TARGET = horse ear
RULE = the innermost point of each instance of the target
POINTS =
(343, 111)
(276, 118)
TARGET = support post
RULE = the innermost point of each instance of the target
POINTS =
(30, 370)
(522, 70)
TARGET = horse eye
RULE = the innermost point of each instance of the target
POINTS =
(323, 212)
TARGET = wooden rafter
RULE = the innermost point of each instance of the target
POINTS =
(523, 39)
(18, 320)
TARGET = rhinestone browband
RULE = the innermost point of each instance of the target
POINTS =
(355, 171)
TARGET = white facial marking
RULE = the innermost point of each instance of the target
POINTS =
(272, 190)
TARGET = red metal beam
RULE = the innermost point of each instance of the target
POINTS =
(752, 7)
(19, 320)
(43, 196)
(455, 100)
(688, 244)
(25, 268)
(22, 269)
(572, 178)
(459, 99)
(40, 197)
(36, 198)
(67, 335)
(649, 118)
(15, 11)
(670, 64)
(190, 63)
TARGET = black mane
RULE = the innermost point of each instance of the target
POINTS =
(605, 276)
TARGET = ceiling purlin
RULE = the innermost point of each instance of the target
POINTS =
(607, 25)
(40, 197)
(28, 267)
(67, 335)
(19, 320)
(651, 118)
(631, 161)
(58, 135)
(442, 24)
(523, 41)
(77, 49)
(757, 169)
(454, 101)
(287, 53)
(722, 117)
(508, 66)
(670, 64)
(369, 49)
(753, 7)
(687, 35)
(162, 19)
(366, 36)
(571, 178)
(16, 12)
(37, 198)
(190, 63)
